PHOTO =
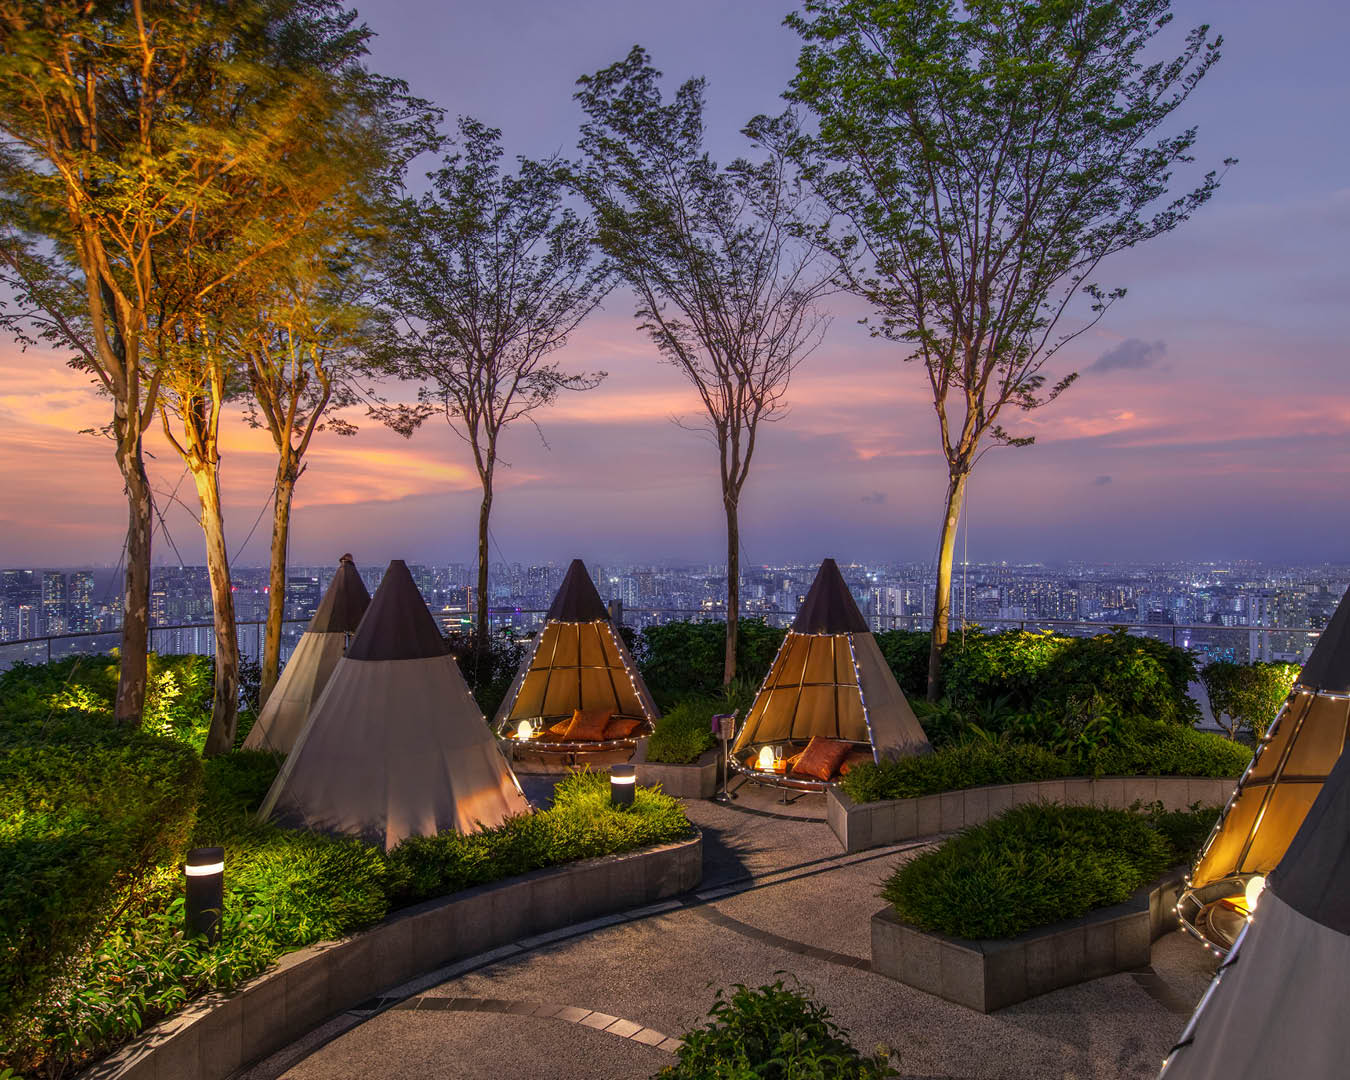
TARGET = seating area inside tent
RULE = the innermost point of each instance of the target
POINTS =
(577, 695)
(829, 701)
(1274, 795)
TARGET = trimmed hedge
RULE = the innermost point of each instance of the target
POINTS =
(1040, 864)
(95, 822)
(683, 660)
(684, 732)
(771, 1033)
(1156, 749)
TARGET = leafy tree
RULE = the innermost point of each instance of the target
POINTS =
(1247, 697)
(725, 283)
(984, 158)
(483, 280)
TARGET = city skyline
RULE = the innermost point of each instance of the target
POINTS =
(1209, 421)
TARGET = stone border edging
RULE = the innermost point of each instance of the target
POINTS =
(696, 781)
(860, 826)
(215, 1036)
(989, 975)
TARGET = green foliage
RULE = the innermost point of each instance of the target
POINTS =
(774, 1033)
(1142, 749)
(906, 651)
(1036, 865)
(1135, 676)
(94, 820)
(683, 660)
(685, 732)
(977, 666)
(1247, 697)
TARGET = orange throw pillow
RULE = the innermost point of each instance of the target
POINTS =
(791, 762)
(560, 728)
(621, 727)
(855, 757)
(821, 758)
(589, 725)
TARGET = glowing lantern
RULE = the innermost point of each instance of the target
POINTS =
(766, 758)
(524, 730)
(1253, 892)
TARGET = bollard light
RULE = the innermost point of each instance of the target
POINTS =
(205, 872)
(622, 785)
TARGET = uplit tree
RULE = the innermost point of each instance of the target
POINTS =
(725, 281)
(984, 158)
(483, 280)
(1247, 697)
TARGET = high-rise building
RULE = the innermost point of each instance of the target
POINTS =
(54, 615)
(80, 601)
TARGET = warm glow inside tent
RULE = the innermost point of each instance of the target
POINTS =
(396, 746)
(316, 655)
(829, 679)
(577, 661)
(1277, 790)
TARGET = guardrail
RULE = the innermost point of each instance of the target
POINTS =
(1241, 642)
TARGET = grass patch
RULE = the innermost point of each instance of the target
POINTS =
(94, 822)
(1040, 864)
(685, 732)
(1145, 748)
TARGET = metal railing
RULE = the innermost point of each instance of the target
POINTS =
(1240, 643)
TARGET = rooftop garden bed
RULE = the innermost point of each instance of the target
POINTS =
(94, 822)
(1041, 864)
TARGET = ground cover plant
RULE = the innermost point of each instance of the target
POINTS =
(685, 731)
(1156, 749)
(775, 1033)
(94, 821)
(1040, 864)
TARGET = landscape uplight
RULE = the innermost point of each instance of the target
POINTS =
(622, 785)
(205, 874)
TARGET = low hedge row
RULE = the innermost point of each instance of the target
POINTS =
(1040, 864)
(1146, 749)
(684, 732)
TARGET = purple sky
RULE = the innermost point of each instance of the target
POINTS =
(1211, 419)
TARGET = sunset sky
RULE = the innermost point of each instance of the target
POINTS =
(1210, 421)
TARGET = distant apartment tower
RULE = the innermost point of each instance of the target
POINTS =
(1274, 609)
(54, 615)
(80, 601)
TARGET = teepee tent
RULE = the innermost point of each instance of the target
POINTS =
(829, 680)
(578, 661)
(311, 665)
(395, 746)
(1274, 794)
(1275, 1008)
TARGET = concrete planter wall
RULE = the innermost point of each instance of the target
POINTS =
(893, 821)
(696, 781)
(215, 1036)
(989, 975)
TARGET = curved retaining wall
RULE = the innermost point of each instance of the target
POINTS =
(215, 1036)
(893, 821)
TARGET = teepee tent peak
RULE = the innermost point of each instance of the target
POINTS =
(343, 603)
(829, 608)
(1328, 667)
(311, 664)
(1272, 1008)
(577, 600)
(397, 625)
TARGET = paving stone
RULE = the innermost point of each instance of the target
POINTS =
(597, 1020)
(572, 1014)
(671, 1046)
(648, 1037)
(623, 1028)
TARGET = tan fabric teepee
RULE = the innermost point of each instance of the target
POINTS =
(311, 664)
(577, 661)
(395, 746)
(830, 679)
(1274, 795)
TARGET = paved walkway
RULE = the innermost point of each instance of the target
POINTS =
(779, 900)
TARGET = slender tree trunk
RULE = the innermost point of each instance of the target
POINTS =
(225, 706)
(942, 599)
(276, 584)
(483, 628)
(136, 592)
(733, 587)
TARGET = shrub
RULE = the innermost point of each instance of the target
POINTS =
(684, 732)
(490, 675)
(906, 653)
(978, 667)
(1247, 697)
(1134, 676)
(683, 660)
(1033, 866)
(774, 1033)
(1144, 749)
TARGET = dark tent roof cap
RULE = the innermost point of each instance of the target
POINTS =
(1313, 877)
(577, 599)
(397, 625)
(1328, 668)
(829, 607)
(343, 604)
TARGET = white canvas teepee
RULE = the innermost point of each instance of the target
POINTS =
(396, 746)
(1275, 793)
(311, 665)
(830, 679)
(577, 661)
(1277, 1004)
